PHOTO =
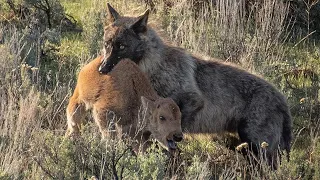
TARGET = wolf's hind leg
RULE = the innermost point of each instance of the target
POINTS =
(257, 132)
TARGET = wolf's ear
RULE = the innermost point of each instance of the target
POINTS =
(140, 26)
(113, 15)
(147, 103)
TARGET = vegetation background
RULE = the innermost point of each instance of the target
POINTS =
(44, 43)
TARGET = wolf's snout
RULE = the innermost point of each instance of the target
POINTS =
(104, 68)
(101, 70)
(178, 137)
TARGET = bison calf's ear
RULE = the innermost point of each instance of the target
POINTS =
(147, 103)
(140, 26)
(113, 15)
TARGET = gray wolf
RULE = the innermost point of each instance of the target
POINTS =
(213, 96)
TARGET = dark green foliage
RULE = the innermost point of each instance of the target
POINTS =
(305, 14)
(59, 158)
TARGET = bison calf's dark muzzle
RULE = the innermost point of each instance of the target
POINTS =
(178, 137)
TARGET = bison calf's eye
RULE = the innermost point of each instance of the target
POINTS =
(162, 118)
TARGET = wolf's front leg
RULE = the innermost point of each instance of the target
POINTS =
(190, 103)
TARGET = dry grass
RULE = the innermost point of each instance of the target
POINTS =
(33, 98)
(251, 37)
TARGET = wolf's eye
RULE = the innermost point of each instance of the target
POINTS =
(162, 118)
(122, 47)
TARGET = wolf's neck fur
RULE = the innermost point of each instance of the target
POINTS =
(155, 47)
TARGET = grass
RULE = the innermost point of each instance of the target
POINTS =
(34, 92)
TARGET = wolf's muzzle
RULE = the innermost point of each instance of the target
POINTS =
(105, 67)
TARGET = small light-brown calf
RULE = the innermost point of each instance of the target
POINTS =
(123, 91)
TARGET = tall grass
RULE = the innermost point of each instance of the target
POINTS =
(251, 35)
(35, 87)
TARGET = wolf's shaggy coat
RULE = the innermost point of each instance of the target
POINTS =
(213, 96)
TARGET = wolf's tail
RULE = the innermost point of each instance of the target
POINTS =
(286, 132)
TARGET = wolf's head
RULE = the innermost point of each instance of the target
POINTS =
(122, 39)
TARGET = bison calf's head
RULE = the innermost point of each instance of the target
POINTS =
(164, 121)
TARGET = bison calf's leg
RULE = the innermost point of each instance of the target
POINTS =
(75, 114)
(100, 117)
